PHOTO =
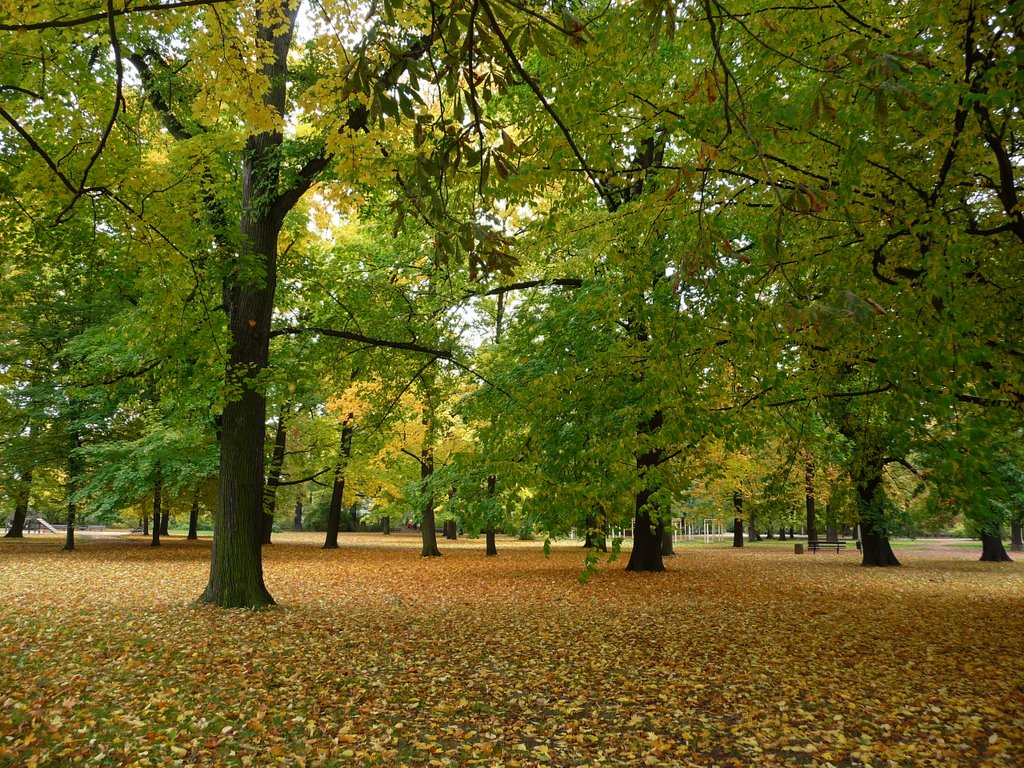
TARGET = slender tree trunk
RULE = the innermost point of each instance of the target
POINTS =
(428, 527)
(992, 549)
(782, 533)
(492, 545)
(451, 530)
(768, 533)
(274, 473)
(812, 531)
(165, 520)
(1016, 539)
(737, 521)
(338, 491)
(385, 525)
(158, 484)
(21, 502)
(74, 470)
(831, 534)
(145, 525)
(297, 518)
(193, 518)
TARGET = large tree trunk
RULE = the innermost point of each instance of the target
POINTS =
(1016, 538)
(648, 527)
(992, 549)
(338, 490)
(236, 560)
(193, 519)
(812, 531)
(297, 518)
(274, 474)
(74, 470)
(157, 492)
(23, 495)
(875, 547)
(451, 530)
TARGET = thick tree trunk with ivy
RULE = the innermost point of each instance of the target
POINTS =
(157, 493)
(193, 519)
(338, 489)
(992, 549)
(1016, 537)
(875, 547)
(274, 474)
(648, 527)
(23, 494)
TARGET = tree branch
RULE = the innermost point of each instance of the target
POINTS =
(408, 346)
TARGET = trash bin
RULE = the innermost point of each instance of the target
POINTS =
(798, 548)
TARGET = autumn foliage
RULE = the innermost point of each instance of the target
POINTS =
(379, 657)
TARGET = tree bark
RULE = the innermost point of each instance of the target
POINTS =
(875, 548)
(992, 549)
(831, 534)
(297, 518)
(812, 531)
(752, 534)
(667, 545)
(1016, 538)
(157, 492)
(338, 490)
(193, 519)
(428, 527)
(145, 524)
(451, 530)
(274, 473)
(236, 559)
(21, 502)
(385, 525)
(74, 470)
(782, 533)
(737, 521)
(492, 546)
(648, 527)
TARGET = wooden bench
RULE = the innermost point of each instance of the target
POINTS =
(814, 546)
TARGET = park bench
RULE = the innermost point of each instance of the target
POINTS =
(814, 546)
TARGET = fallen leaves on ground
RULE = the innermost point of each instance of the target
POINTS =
(376, 656)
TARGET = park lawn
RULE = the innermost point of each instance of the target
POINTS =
(375, 656)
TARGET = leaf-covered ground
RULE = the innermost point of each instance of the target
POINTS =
(379, 657)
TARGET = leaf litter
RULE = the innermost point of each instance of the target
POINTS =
(376, 656)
